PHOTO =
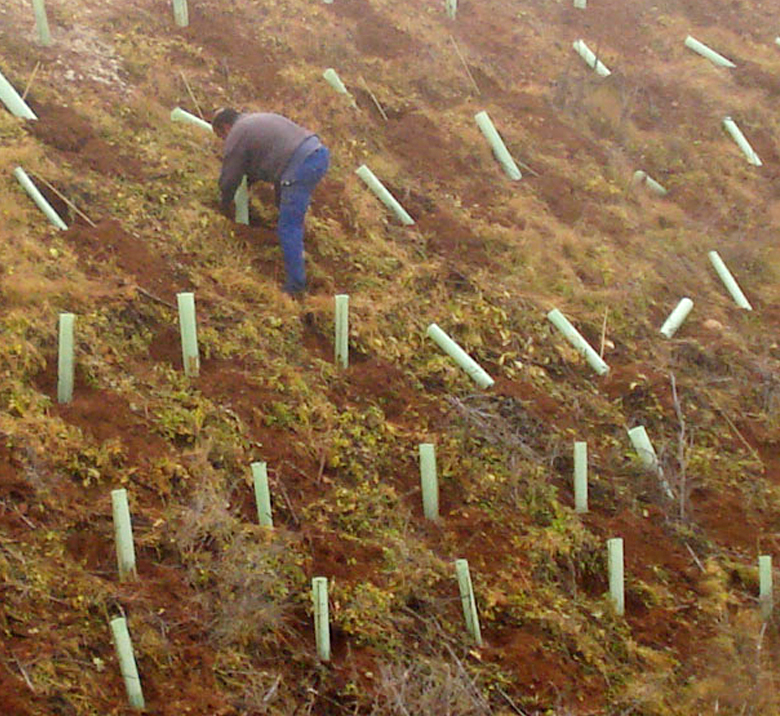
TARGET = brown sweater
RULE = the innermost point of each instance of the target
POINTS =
(259, 145)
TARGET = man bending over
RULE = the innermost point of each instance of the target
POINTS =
(272, 148)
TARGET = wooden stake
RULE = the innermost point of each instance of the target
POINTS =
(65, 199)
(465, 66)
(30, 81)
(604, 332)
(192, 96)
(376, 101)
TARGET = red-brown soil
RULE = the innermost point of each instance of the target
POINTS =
(655, 554)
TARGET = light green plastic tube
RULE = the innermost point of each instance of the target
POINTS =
(13, 101)
(766, 597)
(181, 13)
(65, 362)
(242, 202)
(580, 4)
(124, 651)
(342, 330)
(580, 344)
(39, 199)
(580, 477)
(736, 134)
(616, 577)
(429, 481)
(702, 49)
(643, 177)
(262, 494)
(384, 195)
(729, 281)
(467, 599)
(182, 115)
(189, 334)
(319, 587)
(451, 6)
(676, 317)
(463, 359)
(644, 448)
(42, 22)
(333, 79)
(590, 58)
(123, 536)
(648, 458)
(497, 145)
(777, 41)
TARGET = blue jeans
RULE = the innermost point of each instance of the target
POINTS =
(294, 199)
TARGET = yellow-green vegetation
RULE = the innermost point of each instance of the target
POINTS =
(221, 614)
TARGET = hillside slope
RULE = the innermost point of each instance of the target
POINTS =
(221, 615)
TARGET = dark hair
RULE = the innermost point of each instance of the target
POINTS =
(224, 117)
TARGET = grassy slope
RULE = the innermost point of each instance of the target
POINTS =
(220, 617)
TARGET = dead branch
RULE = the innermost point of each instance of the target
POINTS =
(30, 81)
(65, 199)
(604, 332)
(373, 98)
(465, 66)
(152, 297)
(192, 96)
(681, 459)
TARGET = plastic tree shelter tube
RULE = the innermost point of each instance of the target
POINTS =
(342, 331)
(616, 577)
(181, 13)
(729, 281)
(467, 598)
(42, 22)
(736, 134)
(124, 651)
(13, 101)
(463, 359)
(765, 596)
(65, 362)
(429, 481)
(581, 4)
(182, 115)
(642, 176)
(39, 199)
(189, 334)
(580, 477)
(676, 317)
(123, 535)
(319, 587)
(500, 151)
(262, 494)
(590, 58)
(451, 6)
(580, 344)
(333, 79)
(383, 194)
(644, 448)
(241, 200)
(702, 49)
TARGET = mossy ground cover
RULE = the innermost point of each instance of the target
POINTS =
(221, 614)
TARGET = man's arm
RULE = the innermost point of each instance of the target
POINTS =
(233, 170)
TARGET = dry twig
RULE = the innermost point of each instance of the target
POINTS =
(65, 199)
(152, 297)
(375, 100)
(192, 96)
(465, 66)
(30, 81)
(680, 446)
(604, 332)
